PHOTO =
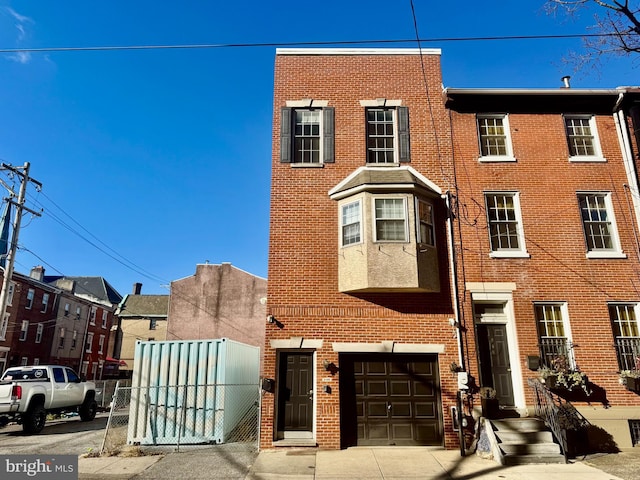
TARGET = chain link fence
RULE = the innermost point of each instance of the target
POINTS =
(105, 390)
(182, 415)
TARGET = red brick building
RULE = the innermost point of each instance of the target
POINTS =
(547, 216)
(360, 338)
(413, 234)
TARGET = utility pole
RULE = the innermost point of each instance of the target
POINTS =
(23, 173)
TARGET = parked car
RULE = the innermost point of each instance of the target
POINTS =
(29, 393)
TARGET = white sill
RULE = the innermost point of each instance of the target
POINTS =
(307, 165)
(587, 159)
(508, 254)
(605, 254)
(389, 164)
(496, 158)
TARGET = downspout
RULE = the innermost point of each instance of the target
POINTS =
(454, 282)
(629, 165)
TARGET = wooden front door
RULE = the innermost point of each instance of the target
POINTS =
(495, 366)
(295, 395)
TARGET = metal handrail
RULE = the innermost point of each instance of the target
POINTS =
(558, 414)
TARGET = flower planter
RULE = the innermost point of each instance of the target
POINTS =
(551, 382)
(490, 407)
(632, 383)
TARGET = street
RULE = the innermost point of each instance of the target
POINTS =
(68, 436)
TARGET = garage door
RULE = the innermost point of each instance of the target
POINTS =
(391, 399)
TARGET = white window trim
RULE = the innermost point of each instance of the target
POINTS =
(616, 251)
(509, 157)
(30, 301)
(320, 162)
(406, 220)
(89, 345)
(396, 139)
(340, 234)
(566, 324)
(4, 326)
(39, 332)
(92, 316)
(418, 229)
(104, 319)
(45, 302)
(67, 309)
(10, 293)
(596, 140)
(520, 252)
(101, 344)
(23, 330)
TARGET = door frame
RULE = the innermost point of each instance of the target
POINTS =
(508, 319)
(284, 434)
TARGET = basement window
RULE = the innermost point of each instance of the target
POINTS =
(634, 428)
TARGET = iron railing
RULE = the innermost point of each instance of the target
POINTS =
(558, 414)
(628, 352)
(552, 348)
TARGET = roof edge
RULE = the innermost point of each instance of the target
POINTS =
(358, 51)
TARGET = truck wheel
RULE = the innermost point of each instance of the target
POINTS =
(33, 421)
(88, 410)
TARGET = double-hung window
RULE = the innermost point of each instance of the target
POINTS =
(89, 344)
(104, 319)
(31, 293)
(387, 135)
(307, 133)
(582, 138)
(101, 344)
(426, 233)
(4, 325)
(598, 223)
(92, 316)
(505, 224)
(61, 338)
(39, 332)
(45, 302)
(624, 323)
(351, 223)
(74, 339)
(24, 330)
(494, 138)
(10, 292)
(390, 216)
(553, 334)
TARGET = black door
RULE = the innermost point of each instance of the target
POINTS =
(295, 392)
(390, 399)
(495, 367)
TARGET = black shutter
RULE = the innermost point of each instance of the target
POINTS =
(285, 135)
(404, 149)
(328, 137)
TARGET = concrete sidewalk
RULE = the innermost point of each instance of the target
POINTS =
(310, 464)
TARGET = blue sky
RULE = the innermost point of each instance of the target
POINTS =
(156, 160)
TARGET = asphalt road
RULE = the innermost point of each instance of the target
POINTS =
(63, 437)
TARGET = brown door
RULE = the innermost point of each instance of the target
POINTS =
(495, 366)
(390, 399)
(295, 392)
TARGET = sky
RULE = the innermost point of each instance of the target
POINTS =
(155, 160)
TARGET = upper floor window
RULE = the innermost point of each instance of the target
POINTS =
(387, 135)
(307, 133)
(582, 138)
(624, 323)
(66, 309)
(390, 216)
(505, 225)
(426, 233)
(553, 334)
(30, 296)
(351, 221)
(61, 338)
(493, 134)
(104, 319)
(23, 330)
(92, 316)
(153, 323)
(74, 339)
(4, 325)
(10, 292)
(598, 224)
(89, 343)
(78, 313)
(100, 343)
(45, 302)
(39, 332)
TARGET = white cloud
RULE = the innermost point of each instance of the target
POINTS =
(18, 17)
(22, 24)
(20, 57)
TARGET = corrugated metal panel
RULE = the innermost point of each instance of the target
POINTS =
(191, 391)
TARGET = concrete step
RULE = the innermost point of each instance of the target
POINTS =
(547, 448)
(524, 437)
(519, 425)
(533, 458)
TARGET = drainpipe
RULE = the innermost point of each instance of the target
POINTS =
(454, 282)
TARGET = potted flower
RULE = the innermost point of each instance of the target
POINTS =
(489, 402)
(630, 379)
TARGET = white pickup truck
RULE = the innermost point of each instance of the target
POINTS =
(28, 394)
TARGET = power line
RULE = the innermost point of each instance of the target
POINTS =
(308, 44)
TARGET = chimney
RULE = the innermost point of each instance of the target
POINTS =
(566, 81)
(137, 288)
(37, 273)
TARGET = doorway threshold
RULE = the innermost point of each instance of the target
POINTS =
(295, 442)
